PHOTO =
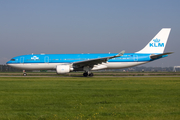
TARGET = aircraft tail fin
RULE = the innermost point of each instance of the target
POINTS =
(158, 43)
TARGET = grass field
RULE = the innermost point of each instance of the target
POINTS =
(98, 98)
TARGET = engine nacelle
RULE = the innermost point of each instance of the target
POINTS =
(61, 69)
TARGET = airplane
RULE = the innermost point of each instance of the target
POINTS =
(65, 63)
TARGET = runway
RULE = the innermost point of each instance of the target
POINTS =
(92, 77)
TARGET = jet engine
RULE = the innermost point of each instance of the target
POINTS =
(61, 69)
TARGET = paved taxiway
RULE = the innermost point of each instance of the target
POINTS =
(94, 76)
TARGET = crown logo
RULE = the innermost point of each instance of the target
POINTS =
(34, 57)
(156, 40)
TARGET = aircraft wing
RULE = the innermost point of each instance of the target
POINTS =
(96, 61)
(156, 56)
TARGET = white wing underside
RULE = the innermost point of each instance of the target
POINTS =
(91, 62)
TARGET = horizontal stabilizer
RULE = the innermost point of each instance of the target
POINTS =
(156, 56)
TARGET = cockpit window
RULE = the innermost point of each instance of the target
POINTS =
(12, 59)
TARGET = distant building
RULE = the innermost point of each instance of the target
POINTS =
(175, 67)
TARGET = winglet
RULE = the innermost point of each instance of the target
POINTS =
(120, 54)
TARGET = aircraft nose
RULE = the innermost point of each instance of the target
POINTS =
(7, 62)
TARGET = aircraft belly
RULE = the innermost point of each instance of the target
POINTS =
(118, 65)
(36, 66)
(52, 66)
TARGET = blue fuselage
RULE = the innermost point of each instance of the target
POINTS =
(51, 61)
(70, 58)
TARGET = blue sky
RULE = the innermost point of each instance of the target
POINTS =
(86, 26)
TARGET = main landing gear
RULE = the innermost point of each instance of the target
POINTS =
(85, 74)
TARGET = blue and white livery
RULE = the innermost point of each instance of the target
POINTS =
(65, 63)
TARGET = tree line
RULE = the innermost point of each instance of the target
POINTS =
(5, 68)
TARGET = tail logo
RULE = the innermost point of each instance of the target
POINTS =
(156, 43)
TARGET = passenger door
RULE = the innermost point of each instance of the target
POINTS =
(22, 60)
(46, 59)
(135, 57)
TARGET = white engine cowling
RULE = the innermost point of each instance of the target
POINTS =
(61, 69)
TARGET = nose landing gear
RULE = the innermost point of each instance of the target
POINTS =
(24, 73)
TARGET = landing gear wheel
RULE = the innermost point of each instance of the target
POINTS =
(85, 74)
(24, 74)
(91, 74)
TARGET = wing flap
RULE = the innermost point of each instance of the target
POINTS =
(92, 62)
